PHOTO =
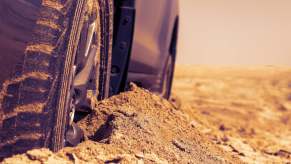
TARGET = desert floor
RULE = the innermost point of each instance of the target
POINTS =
(244, 110)
(216, 115)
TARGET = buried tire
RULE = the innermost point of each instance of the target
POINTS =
(37, 102)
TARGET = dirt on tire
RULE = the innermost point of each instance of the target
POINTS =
(36, 74)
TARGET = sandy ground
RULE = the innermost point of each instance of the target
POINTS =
(135, 127)
(217, 115)
(246, 111)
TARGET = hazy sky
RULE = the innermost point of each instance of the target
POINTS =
(243, 32)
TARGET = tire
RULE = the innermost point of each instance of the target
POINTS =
(167, 78)
(168, 73)
(34, 109)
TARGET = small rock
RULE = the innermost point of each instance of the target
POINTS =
(194, 124)
(224, 139)
(154, 158)
(206, 130)
(139, 155)
(127, 113)
(205, 112)
(283, 153)
(133, 86)
(182, 146)
(222, 127)
(39, 154)
(282, 108)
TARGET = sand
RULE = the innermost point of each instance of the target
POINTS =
(216, 115)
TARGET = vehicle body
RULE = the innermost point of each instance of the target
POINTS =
(56, 55)
(155, 39)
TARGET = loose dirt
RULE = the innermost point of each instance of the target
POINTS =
(217, 115)
(135, 126)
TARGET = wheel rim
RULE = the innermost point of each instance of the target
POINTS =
(85, 61)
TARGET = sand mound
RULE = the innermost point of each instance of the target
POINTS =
(135, 126)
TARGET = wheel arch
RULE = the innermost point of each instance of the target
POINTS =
(174, 38)
(167, 43)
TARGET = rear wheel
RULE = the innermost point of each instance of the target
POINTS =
(167, 78)
(66, 63)
(168, 74)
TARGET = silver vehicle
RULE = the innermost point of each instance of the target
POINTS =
(56, 55)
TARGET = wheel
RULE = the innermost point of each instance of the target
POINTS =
(168, 73)
(66, 61)
(167, 77)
